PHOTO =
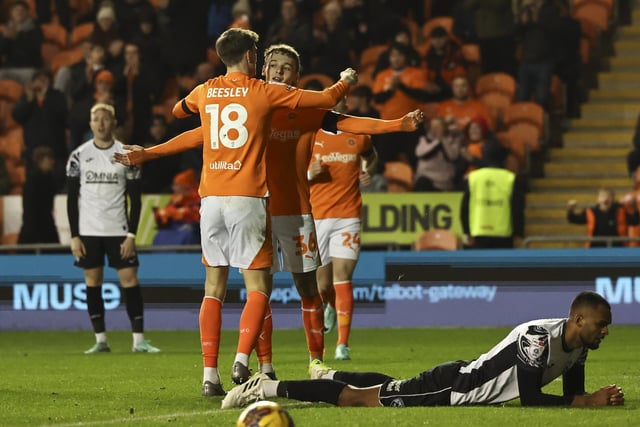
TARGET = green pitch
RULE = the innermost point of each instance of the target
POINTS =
(47, 380)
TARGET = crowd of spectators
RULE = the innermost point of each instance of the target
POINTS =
(143, 55)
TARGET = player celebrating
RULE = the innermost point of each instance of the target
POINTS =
(528, 358)
(235, 111)
(96, 208)
(288, 155)
(339, 161)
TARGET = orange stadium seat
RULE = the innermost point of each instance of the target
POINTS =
(325, 80)
(471, 53)
(595, 13)
(528, 112)
(399, 176)
(12, 143)
(370, 55)
(429, 109)
(438, 239)
(65, 58)
(496, 82)
(11, 89)
(81, 32)
(585, 50)
(55, 33)
(608, 5)
(496, 103)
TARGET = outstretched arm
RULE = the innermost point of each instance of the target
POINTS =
(366, 125)
(183, 142)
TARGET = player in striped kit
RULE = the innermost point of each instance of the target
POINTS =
(531, 356)
(100, 224)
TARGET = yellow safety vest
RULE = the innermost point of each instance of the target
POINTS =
(490, 192)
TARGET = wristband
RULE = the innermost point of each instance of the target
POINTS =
(133, 236)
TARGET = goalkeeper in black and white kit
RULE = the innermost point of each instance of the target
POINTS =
(97, 210)
(532, 355)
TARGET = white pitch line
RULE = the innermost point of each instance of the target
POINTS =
(133, 418)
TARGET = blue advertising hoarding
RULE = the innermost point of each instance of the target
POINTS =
(391, 289)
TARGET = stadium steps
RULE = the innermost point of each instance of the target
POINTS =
(595, 147)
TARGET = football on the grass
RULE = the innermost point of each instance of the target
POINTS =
(264, 413)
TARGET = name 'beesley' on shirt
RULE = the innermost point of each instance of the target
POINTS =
(227, 92)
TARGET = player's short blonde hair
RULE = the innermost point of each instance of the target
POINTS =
(286, 50)
(104, 106)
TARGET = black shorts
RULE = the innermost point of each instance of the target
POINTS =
(99, 246)
(430, 388)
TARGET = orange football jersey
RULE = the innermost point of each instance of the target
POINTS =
(335, 193)
(235, 111)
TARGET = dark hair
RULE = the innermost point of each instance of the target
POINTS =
(402, 48)
(284, 49)
(589, 299)
(234, 43)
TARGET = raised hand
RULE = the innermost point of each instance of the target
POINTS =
(350, 76)
(411, 121)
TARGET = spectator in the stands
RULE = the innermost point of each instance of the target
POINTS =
(401, 36)
(218, 18)
(179, 221)
(80, 114)
(538, 24)
(606, 218)
(291, 29)
(67, 76)
(633, 158)
(494, 28)
(398, 90)
(83, 73)
(139, 86)
(462, 107)
(158, 175)
(106, 29)
(20, 42)
(42, 112)
(43, 10)
(437, 152)
(148, 39)
(492, 207)
(38, 225)
(568, 63)
(481, 148)
(332, 50)
(444, 61)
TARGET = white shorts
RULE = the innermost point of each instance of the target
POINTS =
(295, 236)
(236, 231)
(338, 238)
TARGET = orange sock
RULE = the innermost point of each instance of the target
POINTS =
(251, 321)
(313, 322)
(210, 324)
(344, 310)
(263, 346)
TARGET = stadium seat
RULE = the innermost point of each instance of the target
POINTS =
(607, 4)
(438, 239)
(12, 143)
(6, 119)
(471, 53)
(81, 32)
(496, 82)
(369, 56)
(399, 176)
(528, 112)
(65, 58)
(496, 103)
(11, 89)
(325, 80)
(585, 50)
(595, 13)
(55, 33)
(10, 239)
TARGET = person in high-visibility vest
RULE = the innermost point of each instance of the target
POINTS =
(492, 209)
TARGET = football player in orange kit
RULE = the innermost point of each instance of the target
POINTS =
(288, 154)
